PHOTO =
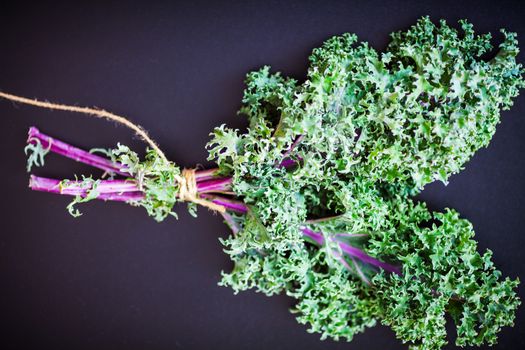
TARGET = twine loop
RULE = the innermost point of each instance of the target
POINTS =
(188, 191)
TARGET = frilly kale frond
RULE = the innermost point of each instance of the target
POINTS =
(155, 176)
(374, 129)
(36, 154)
(444, 274)
(90, 186)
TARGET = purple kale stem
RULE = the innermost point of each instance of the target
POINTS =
(287, 162)
(121, 197)
(75, 186)
(43, 184)
(361, 255)
(108, 186)
(218, 185)
(343, 261)
(115, 190)
(351, 251)
(232, 224)
(208, 174)
(315, 236)
(238, 207)
(360, 272)
(297, 140)
(227, 203)
(351, 235)
(328, 218)
(66, 150)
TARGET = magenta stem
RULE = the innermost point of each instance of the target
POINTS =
(66, 150)
(352, 251)
(361, 255)
(315, 236)
(288, 162)
(297, 140)
(208, 174)
(230, 204)
(115, 190)
(76, 186)
(218, 185)
(121, 197)
(121, 190)
(80, 155)
(232, 224)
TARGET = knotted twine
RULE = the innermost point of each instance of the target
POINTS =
(186, 181)
(188, 191)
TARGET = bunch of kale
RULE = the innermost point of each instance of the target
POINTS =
(319, 189)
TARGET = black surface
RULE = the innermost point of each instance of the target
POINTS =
(115, 279)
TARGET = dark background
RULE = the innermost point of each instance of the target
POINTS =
(115, 279)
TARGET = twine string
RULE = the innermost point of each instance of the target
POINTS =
(188, 191)
(98, 113)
